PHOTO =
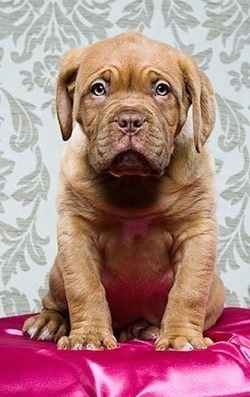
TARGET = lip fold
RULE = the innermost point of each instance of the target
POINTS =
(130, 162)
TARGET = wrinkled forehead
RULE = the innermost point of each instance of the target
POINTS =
(130, 59)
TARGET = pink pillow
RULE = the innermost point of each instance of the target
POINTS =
(29, 368)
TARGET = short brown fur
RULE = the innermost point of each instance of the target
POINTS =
(137, 232)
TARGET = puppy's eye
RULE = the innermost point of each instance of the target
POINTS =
(98, 89)
(162, 89)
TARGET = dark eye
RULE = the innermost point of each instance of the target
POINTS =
(98, 89)
(162, 89)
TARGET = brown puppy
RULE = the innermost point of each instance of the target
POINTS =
(137, 231)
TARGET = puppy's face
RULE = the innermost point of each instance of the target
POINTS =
(131, 96)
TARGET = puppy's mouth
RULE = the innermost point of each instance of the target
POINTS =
(130, 162)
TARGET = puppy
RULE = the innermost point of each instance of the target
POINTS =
(137, 231)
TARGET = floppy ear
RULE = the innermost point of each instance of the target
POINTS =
(202, 97)
(65, 90)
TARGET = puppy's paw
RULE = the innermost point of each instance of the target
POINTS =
(182, 343)
(88, 339)
(141, 330)
(49, 325)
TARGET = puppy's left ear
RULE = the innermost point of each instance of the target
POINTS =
(201, 92)
(65, 90)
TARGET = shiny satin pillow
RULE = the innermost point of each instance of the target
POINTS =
(34, 368)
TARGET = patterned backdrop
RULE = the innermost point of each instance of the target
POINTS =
(33, 37)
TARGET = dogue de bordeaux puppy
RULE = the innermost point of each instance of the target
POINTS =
(137, 231)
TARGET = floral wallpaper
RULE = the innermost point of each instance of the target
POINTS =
(33, 37)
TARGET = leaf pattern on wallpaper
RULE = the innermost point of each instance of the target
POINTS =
(233, 238)
(52, 24)
(203, 58)
(90, 19)
(138, 15)
(41, 292)
(6, 168)
(241, 78)
(234, 24)
(24, 122)
(231, 296)
(180, 14)
(233, 123)
(239, 184)
(25, 245)
(43, 74)
(247, 299)
(234, 242)
(13, 301)
(34, 185)
(23, 240)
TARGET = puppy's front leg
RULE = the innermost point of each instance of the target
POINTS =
(190, 300)
(89, 313)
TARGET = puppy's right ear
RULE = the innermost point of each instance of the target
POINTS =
(65, 90)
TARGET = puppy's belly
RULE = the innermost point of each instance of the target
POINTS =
(137, 274)
(131, 301)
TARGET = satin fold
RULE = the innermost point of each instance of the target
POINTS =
(30, 368)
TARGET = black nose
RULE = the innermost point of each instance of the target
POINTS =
(130, 122)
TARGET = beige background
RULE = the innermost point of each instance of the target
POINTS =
(33, 37)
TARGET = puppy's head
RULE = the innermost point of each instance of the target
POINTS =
(131, 96)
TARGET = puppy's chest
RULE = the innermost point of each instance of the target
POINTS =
(134, 230)
(136, 248)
